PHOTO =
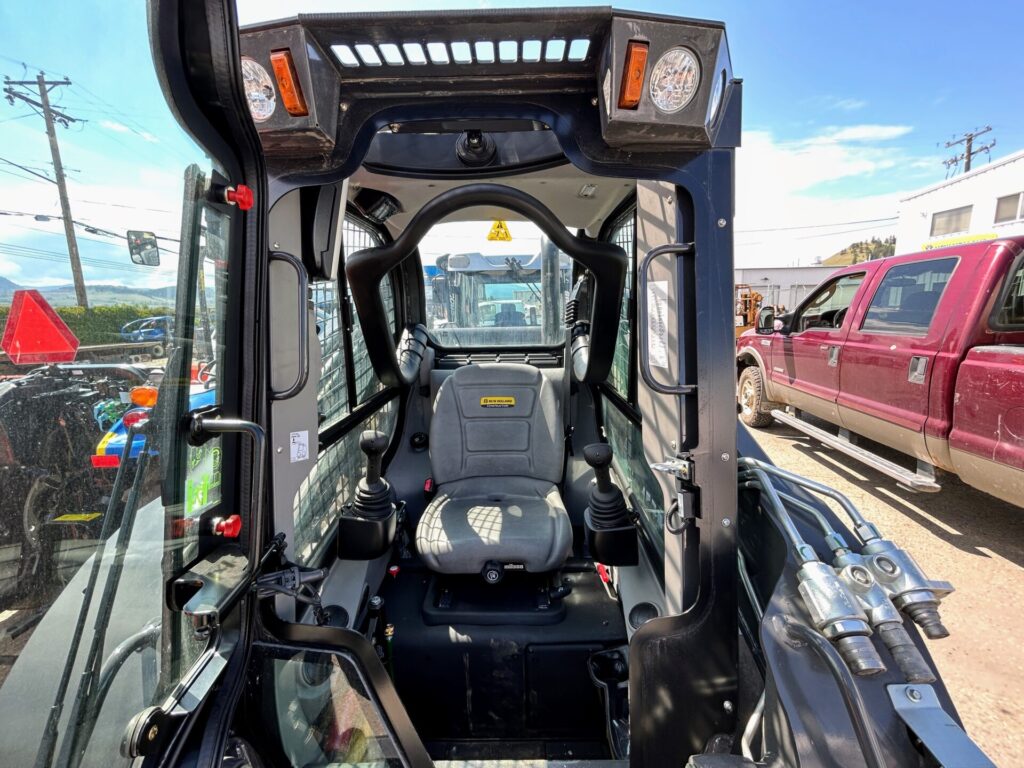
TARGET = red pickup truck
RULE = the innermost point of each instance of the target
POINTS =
(923, 353)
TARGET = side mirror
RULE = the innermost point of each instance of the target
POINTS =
(143, 249)
(766, 322)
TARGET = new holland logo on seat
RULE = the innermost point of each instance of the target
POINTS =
(502, 401)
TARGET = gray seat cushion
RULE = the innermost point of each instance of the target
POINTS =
(507, 519)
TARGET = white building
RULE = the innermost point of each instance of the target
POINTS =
(985, 203)
(783, 285)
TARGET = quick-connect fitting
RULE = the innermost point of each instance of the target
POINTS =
(883, 617)
(910, 590)
(836, 613)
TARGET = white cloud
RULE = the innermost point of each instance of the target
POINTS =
(116, 127)
(112, 125)
(847, 105)
(781, 208)
(867, 133)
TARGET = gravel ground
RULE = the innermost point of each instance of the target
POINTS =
(959, 535)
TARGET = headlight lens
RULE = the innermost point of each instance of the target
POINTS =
(259, 90)
(674, 79)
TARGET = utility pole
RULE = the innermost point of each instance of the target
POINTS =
(49, 114)
(969, 151)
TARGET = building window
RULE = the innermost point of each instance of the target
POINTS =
(948, 222)
(1008, 208)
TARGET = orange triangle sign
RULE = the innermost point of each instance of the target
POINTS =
(35, 333)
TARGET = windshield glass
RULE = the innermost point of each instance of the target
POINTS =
(494, 284)
(113, 291)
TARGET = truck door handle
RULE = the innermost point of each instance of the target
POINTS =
(918, 368)
(833, 355)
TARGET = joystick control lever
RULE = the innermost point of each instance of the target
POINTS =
(607, 506)
(611, 535)
(373, 492)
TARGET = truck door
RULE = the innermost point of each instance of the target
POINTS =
(889, 355)
(805, 361)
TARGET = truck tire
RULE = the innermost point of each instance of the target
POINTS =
(751, 397)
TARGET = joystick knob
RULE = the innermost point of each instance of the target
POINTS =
(599, 456)
(373, 444)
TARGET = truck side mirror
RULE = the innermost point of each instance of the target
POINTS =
(143, 248)
(766, 322)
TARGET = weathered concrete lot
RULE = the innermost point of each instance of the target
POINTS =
(963, 536)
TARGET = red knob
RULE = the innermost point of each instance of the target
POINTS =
(228, 527)
(393, 570)
(241, 196)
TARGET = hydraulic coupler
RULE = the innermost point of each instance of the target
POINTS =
(910, 590)
(836, 614)
(883, 616)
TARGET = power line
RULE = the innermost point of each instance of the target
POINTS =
(27, 170)
(817, 226)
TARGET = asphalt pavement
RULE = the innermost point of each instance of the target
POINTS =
(959, 535)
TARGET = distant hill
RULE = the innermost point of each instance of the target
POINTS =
(99, 295)
(865, 250)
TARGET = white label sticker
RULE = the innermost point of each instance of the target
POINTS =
(657, 323)
(299, 445)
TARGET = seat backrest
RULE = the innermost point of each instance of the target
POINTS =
(497, 419)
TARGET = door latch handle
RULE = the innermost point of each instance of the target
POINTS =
(833, 355)
(918, 369)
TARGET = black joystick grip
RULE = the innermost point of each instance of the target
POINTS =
(610, 533)
(373, 444)
(373, 494)
(599, 456)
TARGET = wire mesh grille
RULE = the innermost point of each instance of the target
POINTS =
(332, 395)
(331, 482)
(624, 236)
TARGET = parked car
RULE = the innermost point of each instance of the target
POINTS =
(923, 353)
(158, 330)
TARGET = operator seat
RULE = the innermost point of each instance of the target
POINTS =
(496, 453)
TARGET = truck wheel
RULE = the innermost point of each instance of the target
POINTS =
(751, 396)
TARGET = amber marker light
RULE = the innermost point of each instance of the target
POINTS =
(144, 397)
(288, 83)
(633, 75)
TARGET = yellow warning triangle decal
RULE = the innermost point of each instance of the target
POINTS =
(499, 231)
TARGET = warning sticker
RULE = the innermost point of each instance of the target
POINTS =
(77, 517)
(657, 323)
(299, 442)
(503, 401)
(499, 231)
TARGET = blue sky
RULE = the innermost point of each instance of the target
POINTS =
(846, 107)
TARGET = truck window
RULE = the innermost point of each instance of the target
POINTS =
(907, 297)
(827, 308)
(1009, 314)
(624, 235)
